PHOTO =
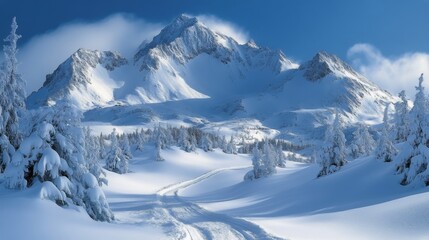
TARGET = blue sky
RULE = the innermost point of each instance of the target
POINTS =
(390, 28)
(300, 28)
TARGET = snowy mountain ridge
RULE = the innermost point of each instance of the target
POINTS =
(165, 69)
(323, 64)
(188, 60)
(186, 38)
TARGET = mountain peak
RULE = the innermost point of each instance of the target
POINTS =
(184, 19)
(175, 28)
(323, 64)
(252, 44)
(186, 27)
(80, 79)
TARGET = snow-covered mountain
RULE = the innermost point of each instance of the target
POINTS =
(188, 55)
(186, 60)
(310, 93)
(189, 71)
(83, 79)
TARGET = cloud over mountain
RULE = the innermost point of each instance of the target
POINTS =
(118, 32)
(391, 73)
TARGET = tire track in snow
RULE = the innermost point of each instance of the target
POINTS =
(196, 222)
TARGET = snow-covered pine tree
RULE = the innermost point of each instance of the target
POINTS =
(223, 143)
(363, 143)
(12, 98)
(158, 156)
(125, 146)
(264, 162)
(161, 137)
(269, 158)
(53, 156)
(92, 150)
(245, 148)
(184, 141)
(280, 157)
(102, 144)
(332, 156)
(414, 157)
(140, 140)
(194, 142)
(255, 173)
(116, 161)
(230, 147)
(385, 149)
(402, 110)
(206, 143)
(169, 136)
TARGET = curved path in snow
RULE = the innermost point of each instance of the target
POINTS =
(193, 222)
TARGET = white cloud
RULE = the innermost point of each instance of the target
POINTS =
(392, 74)
(43, 53)
(224, 27)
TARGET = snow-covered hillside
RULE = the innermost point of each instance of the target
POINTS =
(363, 201)
(202, 195)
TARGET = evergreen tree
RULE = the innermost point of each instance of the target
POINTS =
(12, 98)
(185, 140)
(402, 127)
(102, 144)
(161, 137)
(269, 158)
(363, 143)
(385, 149)
(125, 146)
(332, 156)
(256, 172)
(54, 155)
(280, 157)
(223, 143)
(140, 140)
(116, 160)
(415, 155)
(92, 156)
(158, 156)
(264, 162)
(194, 142)
(206, 143)
(230, 147)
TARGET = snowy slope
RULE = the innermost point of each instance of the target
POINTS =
(84, 79)
(362, 201)
(203, 196)
(25, 216)
(140, 200)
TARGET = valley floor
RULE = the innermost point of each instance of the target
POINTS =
(203, 196)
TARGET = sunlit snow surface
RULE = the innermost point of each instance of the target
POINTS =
(362, 201)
